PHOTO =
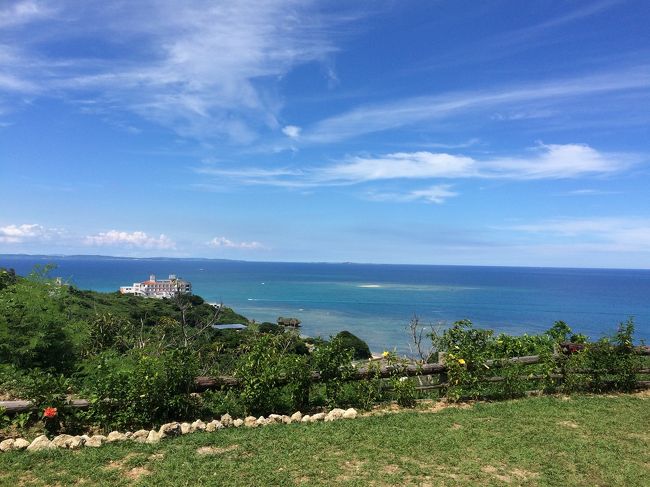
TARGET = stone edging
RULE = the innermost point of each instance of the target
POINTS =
(169, 430)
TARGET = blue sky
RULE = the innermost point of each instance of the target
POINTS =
(442, 132)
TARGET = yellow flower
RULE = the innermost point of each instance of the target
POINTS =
(461, 361)
(385, 354)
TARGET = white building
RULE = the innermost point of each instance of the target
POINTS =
(164, 288)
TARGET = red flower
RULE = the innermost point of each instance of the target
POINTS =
(49, 413)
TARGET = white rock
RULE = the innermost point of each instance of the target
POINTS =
(261, 421)
(153, 437)
(350, 413)
(75, 442)
(226, 420)
(169, 429)
(114, 436)
(198, 425)
(214, 425)
(40, 443)
(286, 419)
(7, 445)
(20, 444)
(250, 421)
(140, 436)
(68, 441)
(128, 435)
(297, 416)
(317, 417)
(95, 441)
(275, 418)
(60, 441)
(334, 414)
(185, 428)
(238, 422)
(305, 419)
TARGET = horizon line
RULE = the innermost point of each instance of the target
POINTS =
(64, 256)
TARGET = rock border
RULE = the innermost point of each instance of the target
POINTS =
(169, 430)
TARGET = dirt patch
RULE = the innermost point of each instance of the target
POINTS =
(390, 469)
(213, 450)
(423, 406)
(522, 474)
(119, 464)
(349, 470)
(456, 426)
(508, 476)
(157, 456)
(136, 473)
(569, 424)
(27, 479)
(643, 394)
(496, 473)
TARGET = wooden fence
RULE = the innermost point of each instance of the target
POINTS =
(202, 384)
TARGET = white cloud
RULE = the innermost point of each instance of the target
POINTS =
(551, 161)
(557, 161)
(223, 242)
(291, 131)
(125, 239)
(24, 233)
(407, 165)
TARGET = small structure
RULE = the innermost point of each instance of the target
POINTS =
(293, 322)
(230, 326)
(164, 288)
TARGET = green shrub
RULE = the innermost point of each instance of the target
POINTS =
(608, 364)
(333, 362)
(34, 326)
(478, 364)
(140, 389)
(273, 379)
(360, 349)
(218, 403)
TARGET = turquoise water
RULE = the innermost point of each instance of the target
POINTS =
(376, 301)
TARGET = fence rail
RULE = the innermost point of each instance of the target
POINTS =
(202, 384)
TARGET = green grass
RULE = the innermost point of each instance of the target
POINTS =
(585, 440)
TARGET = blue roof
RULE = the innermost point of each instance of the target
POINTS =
(230, 326)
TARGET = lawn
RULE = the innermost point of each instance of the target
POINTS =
(582, 440)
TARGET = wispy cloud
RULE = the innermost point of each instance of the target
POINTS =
(205, 70)
(590, 192)
(409, 111)
(223, 242)
(137, 239)
(438, 194)
(22, 12)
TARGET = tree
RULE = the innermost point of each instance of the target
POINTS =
(359, 348)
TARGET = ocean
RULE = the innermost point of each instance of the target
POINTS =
(376, 302)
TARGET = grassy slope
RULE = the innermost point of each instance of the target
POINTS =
(586, 440)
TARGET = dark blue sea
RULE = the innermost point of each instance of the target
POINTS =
(376, 302)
